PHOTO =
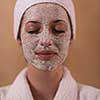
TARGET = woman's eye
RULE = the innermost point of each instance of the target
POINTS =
(34, 31)
(33, 28)
(59, 28)
(59, 31)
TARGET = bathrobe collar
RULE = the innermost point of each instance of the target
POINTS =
(20, 89)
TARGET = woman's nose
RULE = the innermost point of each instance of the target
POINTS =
(46, 43)
(46, 40)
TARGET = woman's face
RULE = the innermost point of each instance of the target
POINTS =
(45, 36)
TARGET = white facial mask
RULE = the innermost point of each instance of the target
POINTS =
(46, 49)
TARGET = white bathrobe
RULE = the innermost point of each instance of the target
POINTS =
(68, 89)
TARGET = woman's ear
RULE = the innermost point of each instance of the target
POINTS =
(71, 41)
(19, 42)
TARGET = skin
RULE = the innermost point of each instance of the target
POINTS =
(45, 28)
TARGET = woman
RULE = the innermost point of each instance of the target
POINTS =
(45, 29)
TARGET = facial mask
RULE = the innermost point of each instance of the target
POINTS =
(46, 49)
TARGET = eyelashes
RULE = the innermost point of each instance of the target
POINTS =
(38, 31)
(36, 28)
(34, 31)
(58, 32)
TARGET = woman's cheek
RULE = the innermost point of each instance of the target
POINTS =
(60, 42)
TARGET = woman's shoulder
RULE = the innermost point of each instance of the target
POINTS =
(88, 92)
(3, 91)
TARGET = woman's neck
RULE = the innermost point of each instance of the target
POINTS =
(44, 84)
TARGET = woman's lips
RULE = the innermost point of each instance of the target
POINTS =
(45, 55)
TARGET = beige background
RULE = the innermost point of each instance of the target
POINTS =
(84, 56)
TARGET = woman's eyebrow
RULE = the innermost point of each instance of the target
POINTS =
(56, 21)
(35, 22)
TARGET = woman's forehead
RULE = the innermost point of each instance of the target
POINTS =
(47, 11)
